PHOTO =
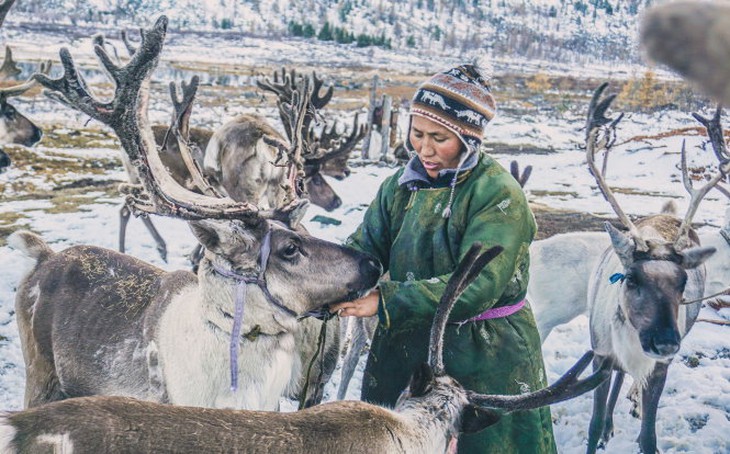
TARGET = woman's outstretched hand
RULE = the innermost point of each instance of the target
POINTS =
(366, 306)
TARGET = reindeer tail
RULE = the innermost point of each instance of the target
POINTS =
(30, 244)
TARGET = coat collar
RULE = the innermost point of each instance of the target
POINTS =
(415, 175)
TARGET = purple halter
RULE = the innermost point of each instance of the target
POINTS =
(241, 282)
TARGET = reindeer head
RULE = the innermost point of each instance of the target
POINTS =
(325, 153)
(653, 284)
(655, 254)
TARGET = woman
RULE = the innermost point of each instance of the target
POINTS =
(424, 218)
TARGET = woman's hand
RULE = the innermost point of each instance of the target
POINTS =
(366, 306)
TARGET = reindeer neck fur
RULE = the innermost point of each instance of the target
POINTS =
(197, 364)
(433, 418)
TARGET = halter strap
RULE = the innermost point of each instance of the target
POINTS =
(242, 280)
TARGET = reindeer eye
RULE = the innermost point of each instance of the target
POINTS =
(631, 282)
(290, 250)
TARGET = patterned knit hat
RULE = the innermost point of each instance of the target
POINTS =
(459, 99)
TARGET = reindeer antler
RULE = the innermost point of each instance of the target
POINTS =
(567, 387)
(329, 144)
(9, 67)
(601, 135)
(126, 114)
(514, 169)
(284, 92)
(716, 135)
(180, 126)
(466, 271)
(131, 49)
(5, 6)
(17, 90)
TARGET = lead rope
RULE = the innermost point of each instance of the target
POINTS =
(241, 282)
(319, 352)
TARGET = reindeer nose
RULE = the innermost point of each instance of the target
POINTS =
(36, 137)
(371, 268)
(336, 203)
(666, 344)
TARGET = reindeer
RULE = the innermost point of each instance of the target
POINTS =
(644, 294)
(428, 417)
(15, 127)
(691, 38)
(560, 266)
(96, 322)
(327, 152)
(241, 155)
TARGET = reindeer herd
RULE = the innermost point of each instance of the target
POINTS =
(122, 356)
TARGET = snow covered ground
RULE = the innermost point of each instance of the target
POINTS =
(694, 413)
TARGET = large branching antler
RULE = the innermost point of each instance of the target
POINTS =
(180, 127)
(717, 139)
(293, 115)
(601, 136)
(567, 387)
(126, 114)
(284, 90)
(466, 271)
(330, 144)
(5, 6)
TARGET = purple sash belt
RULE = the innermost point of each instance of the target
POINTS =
(495, 312)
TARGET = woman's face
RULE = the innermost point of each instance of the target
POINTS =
(437, 147)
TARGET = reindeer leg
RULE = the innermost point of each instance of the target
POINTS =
(196, 256)
(598, 419)
(618, 382)
(349, 363)
(124, 214)
(161, 246)
(649, 403)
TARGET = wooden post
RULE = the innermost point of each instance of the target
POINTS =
(370, 119)
(395, 111)
(385, 128)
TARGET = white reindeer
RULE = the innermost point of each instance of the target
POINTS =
(645, 293)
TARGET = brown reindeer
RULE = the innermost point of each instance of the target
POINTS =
(15, 127)
(644, 294)
(428, 417)
(96, 322)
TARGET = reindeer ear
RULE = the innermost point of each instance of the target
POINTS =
(694, 257)
(421, 381)
(474, 419)
(622, 244)
(206, 233)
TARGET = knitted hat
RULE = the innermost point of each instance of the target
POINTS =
(459, 99)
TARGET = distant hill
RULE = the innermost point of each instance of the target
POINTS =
(566, 31)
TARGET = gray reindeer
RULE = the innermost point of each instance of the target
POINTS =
(96, 322)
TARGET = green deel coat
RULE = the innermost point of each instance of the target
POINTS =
(405, 230)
